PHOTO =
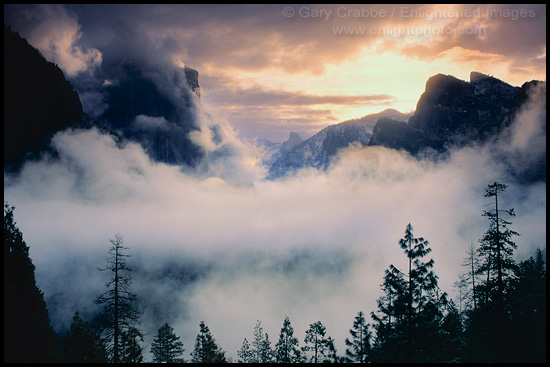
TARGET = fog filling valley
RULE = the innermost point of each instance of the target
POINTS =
(222, 244)
(313, 246)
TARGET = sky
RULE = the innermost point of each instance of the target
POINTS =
(272, 69)
(231, 248)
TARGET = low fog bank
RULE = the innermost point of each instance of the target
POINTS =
(228, 247)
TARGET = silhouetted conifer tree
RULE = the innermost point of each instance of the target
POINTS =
(131, 346)
(166, 346)
(358, 347)
(286, 349)
(206, 349)
(321, 348)
(245, 354)
(390, 318)
(28, 335)
(492, 331)
(261, 346)
(411, 312)
(119, 309)
(82, 344)
(497, 247)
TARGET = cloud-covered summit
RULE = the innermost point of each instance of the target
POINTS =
(208, 246)
(293, 69)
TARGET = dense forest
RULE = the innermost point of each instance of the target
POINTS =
(499, 315)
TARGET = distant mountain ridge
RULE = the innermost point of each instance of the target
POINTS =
(158, 109)
(318, 150)
(450, 113)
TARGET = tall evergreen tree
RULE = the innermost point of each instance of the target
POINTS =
(131, 346)
(321, 348)
(82, 344)
(421, 281)
(390, 318)
(471, 262)
(286, 349)
(28, 335)
(497, 246)
(261, 346)
(489, 329)
(245, 354)
(166, 346)
(358, 347)
(410, 314)
(420, 277)
(206, 349)
(119, 309)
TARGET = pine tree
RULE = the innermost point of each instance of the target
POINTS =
(166, 346)
(464, 295)
(286, 349)
(358, 348)
(320, 347)
(411, 311)
(261, 346)
(497, 246)
(119, 310)
(245, 354)
(28, 335)
(82, 344)
(131, 350)
(390, 319)
(206, 349)
(267, 355)
(471, 262)
(489, 329)
(420, 276)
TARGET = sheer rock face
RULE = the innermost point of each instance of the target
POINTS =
(452, 110)
(156, 108)
(159, 118)
(454, 113)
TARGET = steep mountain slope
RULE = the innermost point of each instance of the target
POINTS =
(38, 101)
(156, 108)
(160, 119)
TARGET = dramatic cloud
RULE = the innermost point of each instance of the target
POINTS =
(55, 32)
(223, 245)
(318, 51)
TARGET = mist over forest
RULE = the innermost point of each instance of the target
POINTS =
(213, 239)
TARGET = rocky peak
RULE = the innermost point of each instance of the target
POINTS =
(476, 76)
(451, 108)
(293, 140)
(192, 76)
(140, 93)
